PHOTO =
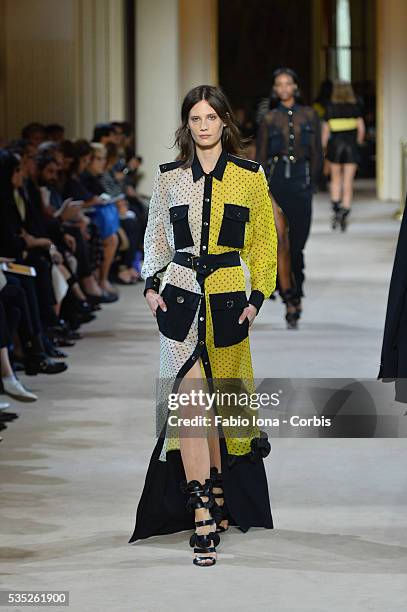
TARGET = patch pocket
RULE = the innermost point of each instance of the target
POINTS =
(226, 309)
(275, 142)
(176, 321)
(232, 229)
(180, 226)
(306, 133)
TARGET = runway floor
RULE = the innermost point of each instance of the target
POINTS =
(73, 464)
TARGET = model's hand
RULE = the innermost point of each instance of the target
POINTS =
(155, 301)
(250, 312)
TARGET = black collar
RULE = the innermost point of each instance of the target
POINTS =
(217, 172)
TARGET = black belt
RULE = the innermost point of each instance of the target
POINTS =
(206, 264)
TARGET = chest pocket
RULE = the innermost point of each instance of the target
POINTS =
(275, 142)
(180, 226)
(182, 305)
(307, 132)
(226, 309)
(232, 230)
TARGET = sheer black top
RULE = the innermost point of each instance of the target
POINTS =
(294, 132)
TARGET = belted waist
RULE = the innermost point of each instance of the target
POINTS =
(206, 264)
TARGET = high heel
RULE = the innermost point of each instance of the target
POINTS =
(291, 301)
(219, 511)
(204, 544)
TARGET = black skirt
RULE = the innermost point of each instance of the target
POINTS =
(162, 506)
(343, 148)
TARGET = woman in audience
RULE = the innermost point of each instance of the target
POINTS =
(94, 179)
(104, 216)
(10, 383)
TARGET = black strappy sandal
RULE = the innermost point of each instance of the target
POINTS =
(203, 544)
(219, 511)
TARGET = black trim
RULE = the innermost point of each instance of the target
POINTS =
(171, 165)
(256, 298)
(180, 226)
(247, 164)
(176, 321)
(217, 172)
(226, 309)
(152, 282)
(233, 228)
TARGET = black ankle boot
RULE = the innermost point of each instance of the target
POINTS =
(344, 214)
(336, 208)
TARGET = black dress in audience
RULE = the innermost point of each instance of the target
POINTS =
(13, 245)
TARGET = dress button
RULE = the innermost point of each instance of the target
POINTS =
(206, 223)
(201, 318)
(291, 157)
(193, 357)
(290, 112)
(180, 299)
(253, 165)
(204, 248)
(202, 342)
(238, 214)
(291, 136)
(290, 124)
(229, 303)
(207, 200)
(206, 363)
(164, 166)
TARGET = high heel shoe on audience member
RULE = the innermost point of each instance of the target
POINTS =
(205, 539)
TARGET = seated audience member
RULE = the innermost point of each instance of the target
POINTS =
(104, 133)
(17, 243)
(34, 133)
(104, 216)
(129, 227)
(55, 132)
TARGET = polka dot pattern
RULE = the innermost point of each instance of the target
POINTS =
(238, 186)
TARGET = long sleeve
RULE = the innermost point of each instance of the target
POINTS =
(262, 142)
(316, 149)
(157, 251)
(261, 254)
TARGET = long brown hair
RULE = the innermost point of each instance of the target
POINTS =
(342, 92)
(232, 140)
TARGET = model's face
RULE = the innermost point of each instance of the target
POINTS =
(205, 125)
(285, 87)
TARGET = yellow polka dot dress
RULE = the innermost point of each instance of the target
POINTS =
(225, 216)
